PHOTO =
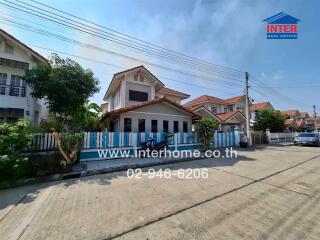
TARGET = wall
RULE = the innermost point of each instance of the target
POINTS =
(29, 104)
(137, 86)
(158, 112)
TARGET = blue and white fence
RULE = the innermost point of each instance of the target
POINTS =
(94, 141)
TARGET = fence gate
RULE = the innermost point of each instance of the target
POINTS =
(258, 138)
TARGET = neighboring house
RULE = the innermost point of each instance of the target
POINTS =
(291, 114)
(227, 112)
(310, 123)
(15, 99)
(137, 101)
(291, 125)
(256, 107)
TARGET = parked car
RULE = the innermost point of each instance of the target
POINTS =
(307, 139)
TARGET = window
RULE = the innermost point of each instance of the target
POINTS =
(175, 126)
(13, 63)
(142, 125)
(135, 77)
(127, 125)
(15, 85)
(8, 49)
(165, 126)
(141, 78)
(154, 125)
(214, 109)
(3, 83)
(138, 96)
(225, 110)
(185, 126)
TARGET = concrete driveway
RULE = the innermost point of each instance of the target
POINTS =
(266, 193)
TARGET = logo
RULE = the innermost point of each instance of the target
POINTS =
(282, 26)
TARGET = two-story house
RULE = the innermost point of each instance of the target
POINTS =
(256, 107)
(137, 101)
(15, 99)
(229, 113)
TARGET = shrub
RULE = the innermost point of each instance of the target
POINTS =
(14, 138)
(205, 129)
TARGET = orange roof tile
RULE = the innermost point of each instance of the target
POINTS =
(207, 98)
(226, 116)
(204, 98)
(289, 122)
(234, 99)
(304, 115)
(299, 123)
(170, 91)
(259, 106)
(290, 112)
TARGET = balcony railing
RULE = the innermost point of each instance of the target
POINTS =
(10, 90)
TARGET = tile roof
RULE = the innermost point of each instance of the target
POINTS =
(204, 98)
(290, 112)
(228, 115)
(170, 91)
(147, 103)
(23, 45)
(207, 98)
(259, 106)
(304, 115)
(235, 99)
(289, 122)
(300, 123)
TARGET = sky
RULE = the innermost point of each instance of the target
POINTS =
(228, 33)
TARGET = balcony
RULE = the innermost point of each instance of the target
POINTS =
(10, 90)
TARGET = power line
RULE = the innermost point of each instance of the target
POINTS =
(67, 22)
(72, 41)
(122, 67)
(134, 38)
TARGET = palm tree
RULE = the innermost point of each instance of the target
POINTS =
(88, 117)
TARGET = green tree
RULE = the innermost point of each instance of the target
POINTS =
(63, 83)
(14, 139)
(269, 119)
(88, 117)
(205, 129)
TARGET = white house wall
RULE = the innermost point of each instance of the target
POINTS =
(158, 112)
(28, 104)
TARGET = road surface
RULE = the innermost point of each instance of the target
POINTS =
(266, 193)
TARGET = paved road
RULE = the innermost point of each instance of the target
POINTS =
(268, 193)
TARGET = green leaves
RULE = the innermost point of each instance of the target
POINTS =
(64, 84)
(269, 119)
(14, 138)
(205, 129)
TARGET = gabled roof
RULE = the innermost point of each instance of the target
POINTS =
(236, 99)
(22, 45)
(290, 112)
(290, 122)
(203, 99)
(212, 99)
(259, 106)
(300, 123)
(226, 116)
(282, 18)
(172, 92)
(202, 108)
(116, 77)
(147, 103)
(304, 115)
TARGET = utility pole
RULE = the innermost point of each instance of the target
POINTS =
(247, 108)
(315, 118)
